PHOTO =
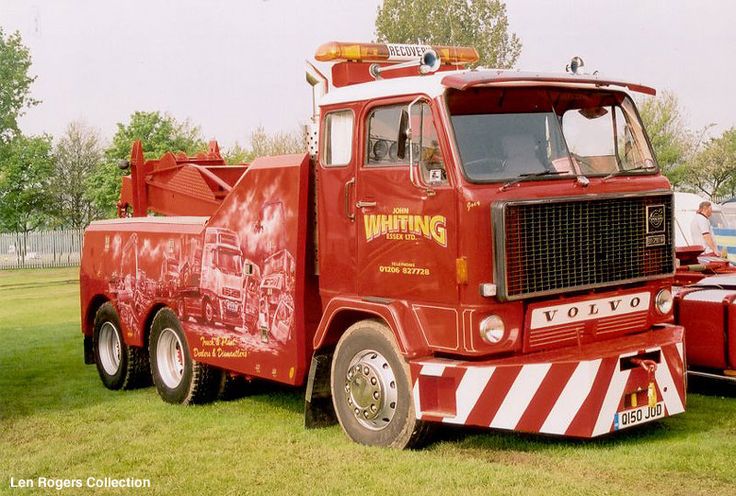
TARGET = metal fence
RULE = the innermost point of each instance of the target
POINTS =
(41, 249)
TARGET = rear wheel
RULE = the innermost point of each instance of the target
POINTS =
(119, 366)
(179, 378)
(208, 311)
(371, 389)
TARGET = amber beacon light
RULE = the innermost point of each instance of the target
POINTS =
(334, 51)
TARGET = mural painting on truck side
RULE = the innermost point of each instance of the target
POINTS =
(233, 298)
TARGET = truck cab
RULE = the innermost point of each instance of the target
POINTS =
(486, 192)
(221, 278)
(512, 219)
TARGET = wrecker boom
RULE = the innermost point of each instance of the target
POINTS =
(176, 184)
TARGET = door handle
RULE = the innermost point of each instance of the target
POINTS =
(348, 210)
(364, 204)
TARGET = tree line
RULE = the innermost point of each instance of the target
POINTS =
(67, 182)
(71, 180)
(692, 159)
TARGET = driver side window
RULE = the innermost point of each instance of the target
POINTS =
(388, 144)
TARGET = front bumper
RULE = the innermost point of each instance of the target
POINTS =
(231, 311)
(579, 392)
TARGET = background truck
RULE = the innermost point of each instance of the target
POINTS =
(211, 279)
(705, 293)
(474, 247)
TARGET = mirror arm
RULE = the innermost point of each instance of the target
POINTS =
(409, 139)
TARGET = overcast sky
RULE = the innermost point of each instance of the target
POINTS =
(230, 66)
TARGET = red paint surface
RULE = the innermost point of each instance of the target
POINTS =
(242, 277)
(237, 280)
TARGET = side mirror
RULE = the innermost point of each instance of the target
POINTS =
(412, 149)
(403, 136)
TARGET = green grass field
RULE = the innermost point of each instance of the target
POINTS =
(58, 421)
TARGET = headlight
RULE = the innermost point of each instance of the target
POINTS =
(492, 329)
(664, 301)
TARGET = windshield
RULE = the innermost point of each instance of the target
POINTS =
(229, 261)
(506, 133)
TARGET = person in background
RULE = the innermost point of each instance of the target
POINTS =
(700, 229)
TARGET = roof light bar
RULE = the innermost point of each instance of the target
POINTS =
(334, 51)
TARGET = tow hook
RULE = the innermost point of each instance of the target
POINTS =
(651, 367)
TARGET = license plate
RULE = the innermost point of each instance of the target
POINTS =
(232, 306)
(628, 418)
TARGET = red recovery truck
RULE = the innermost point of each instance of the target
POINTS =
(475, 247)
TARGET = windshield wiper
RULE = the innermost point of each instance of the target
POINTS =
(531, 175)
(626, 171)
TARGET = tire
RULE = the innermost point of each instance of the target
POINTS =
(178, 378)
(119, 366)
(208, 312)
(375, 405)
(233, 387)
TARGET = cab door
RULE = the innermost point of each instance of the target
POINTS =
(336, 182)
(406, 243)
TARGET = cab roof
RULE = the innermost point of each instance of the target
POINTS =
(434, 85)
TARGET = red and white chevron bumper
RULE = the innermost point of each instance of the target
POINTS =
(583, 393)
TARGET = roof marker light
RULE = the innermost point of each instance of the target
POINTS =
(335, 51)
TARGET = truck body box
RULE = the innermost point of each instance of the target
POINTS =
(247, 262)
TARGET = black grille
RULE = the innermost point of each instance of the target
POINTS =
(557, 246)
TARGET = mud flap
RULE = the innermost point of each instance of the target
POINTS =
(318, 409)
(89, 354)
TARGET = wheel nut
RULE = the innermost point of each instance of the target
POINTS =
(373, 408)
(375, 395)
(366, 370)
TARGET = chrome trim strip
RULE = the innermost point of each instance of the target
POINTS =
(706, 375)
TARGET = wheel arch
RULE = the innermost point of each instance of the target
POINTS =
(341, 313)
(145, 332)
(88, 323)
(340, 321)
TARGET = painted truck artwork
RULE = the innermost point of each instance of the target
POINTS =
(469, 247)
(230, 278)
(209, 281)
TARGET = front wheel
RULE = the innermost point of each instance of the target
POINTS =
(371, 389)
(179, 378)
